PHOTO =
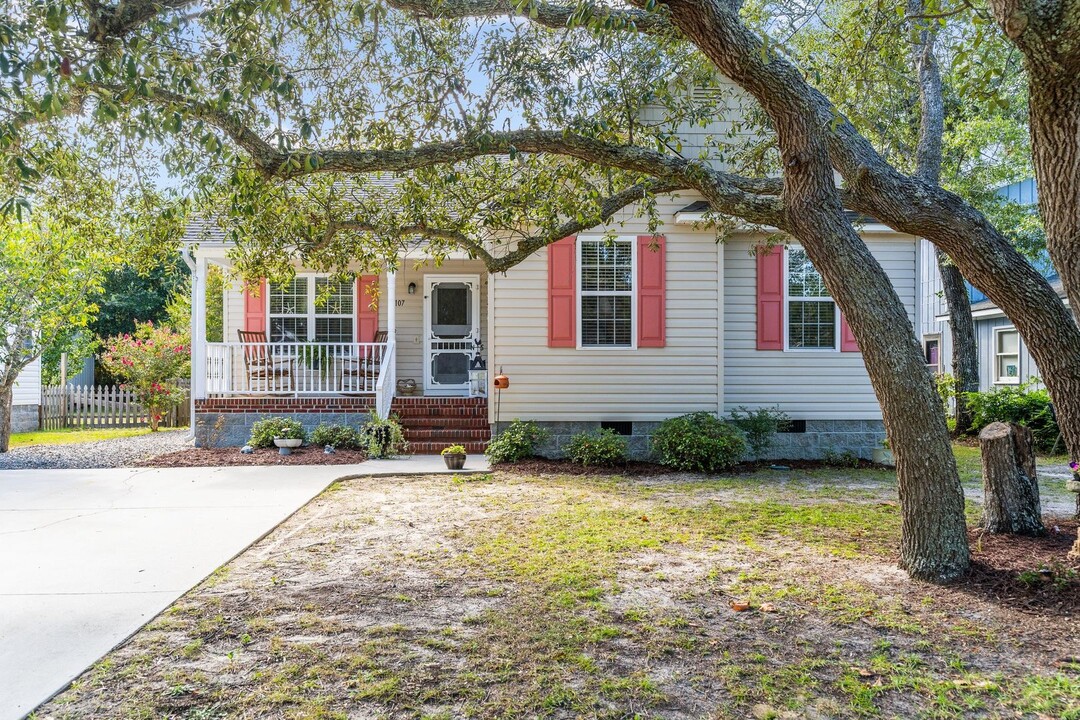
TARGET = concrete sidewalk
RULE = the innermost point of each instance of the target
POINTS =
(89, 556)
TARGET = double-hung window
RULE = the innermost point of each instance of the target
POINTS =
(811, 312)
(606, 291)
(312, 308)
(1006, 357)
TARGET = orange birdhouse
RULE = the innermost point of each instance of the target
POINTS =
(501, 382)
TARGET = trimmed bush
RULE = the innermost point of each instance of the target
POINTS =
(1016, 404)
(698, 442)
(382, 438)
(600, 447)
(516, 442)
(264, 431)
(341, 437)
(760, 426)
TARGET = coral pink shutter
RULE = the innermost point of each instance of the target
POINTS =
(367, 317)
(562, 293)
(770, 298)
(848, 343)
(651, 290)
(255, 307)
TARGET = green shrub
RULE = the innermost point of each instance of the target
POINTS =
(382, 438)
(264, 431)
(341, 437)
(600, 447)
(698, 442)
(516, 442)
(1016, 404)
(759, 426)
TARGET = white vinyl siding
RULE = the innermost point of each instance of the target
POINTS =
(629, 384)
(28, 385)
(806, 385)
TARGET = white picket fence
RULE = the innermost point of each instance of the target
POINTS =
(99, 406)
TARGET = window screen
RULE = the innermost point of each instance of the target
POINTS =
(811, 311)
(607, 286)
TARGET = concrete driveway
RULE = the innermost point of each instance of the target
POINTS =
(88, 556)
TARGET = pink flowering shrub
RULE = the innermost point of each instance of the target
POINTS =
(149, 361)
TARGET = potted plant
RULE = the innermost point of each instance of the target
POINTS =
(454, 457)
(288, 438)
(883, 455)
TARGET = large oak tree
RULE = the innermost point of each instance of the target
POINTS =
(508, 126)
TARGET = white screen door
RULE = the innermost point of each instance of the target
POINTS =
(451, 329)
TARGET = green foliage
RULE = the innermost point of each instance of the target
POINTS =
(453, 450)
(516, 442)
(341, 437)
(149, 362)
(844, 459)
(1020, 404)
(759, 426)
(382, 438)
(698, 442)
(178, 309)
(600, 447)
(264, 431)
(130, 295)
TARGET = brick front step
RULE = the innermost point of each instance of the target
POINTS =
(434, 448)
(440, 423)
(447, 435)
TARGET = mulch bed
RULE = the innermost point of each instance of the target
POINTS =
(207, 457)
(542, 466)
(1030, 573)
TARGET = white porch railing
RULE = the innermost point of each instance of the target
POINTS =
(386, 384)
(234, 368)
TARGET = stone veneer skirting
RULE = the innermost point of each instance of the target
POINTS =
(25, 418)
(822, 437)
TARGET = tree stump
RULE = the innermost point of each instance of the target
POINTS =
(1010, 486)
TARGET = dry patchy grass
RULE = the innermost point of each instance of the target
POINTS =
(510, 596)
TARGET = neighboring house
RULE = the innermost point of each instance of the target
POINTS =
(1003, 357)
(26, 404)
(590, 334)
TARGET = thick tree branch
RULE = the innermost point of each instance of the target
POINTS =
(525, 247)
(546, 14)
(112, 22)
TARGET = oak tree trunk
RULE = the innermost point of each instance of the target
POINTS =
(1010, 484)
(933, 530)
(7, 396)
(965, 351)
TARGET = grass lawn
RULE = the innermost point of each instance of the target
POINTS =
(74, 435)
(515, 596)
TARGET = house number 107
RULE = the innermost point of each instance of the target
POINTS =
(400, 303)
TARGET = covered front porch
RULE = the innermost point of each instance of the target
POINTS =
(417, 331)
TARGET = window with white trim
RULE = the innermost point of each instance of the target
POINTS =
(312, 308)
(811, 312)
(606, 291)
(1006, 357)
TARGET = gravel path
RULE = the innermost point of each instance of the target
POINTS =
(116, 452)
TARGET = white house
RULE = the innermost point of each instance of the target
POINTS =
(588, 333)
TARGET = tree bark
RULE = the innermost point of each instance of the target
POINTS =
(7, 396)
(933, 530)
(965, 350)
(1010, 484)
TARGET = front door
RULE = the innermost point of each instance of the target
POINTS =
(451, 331)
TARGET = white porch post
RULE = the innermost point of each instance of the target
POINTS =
(391, 306)
(198, 331)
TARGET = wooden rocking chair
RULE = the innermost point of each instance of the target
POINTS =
(261, 367)
(364, 367)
